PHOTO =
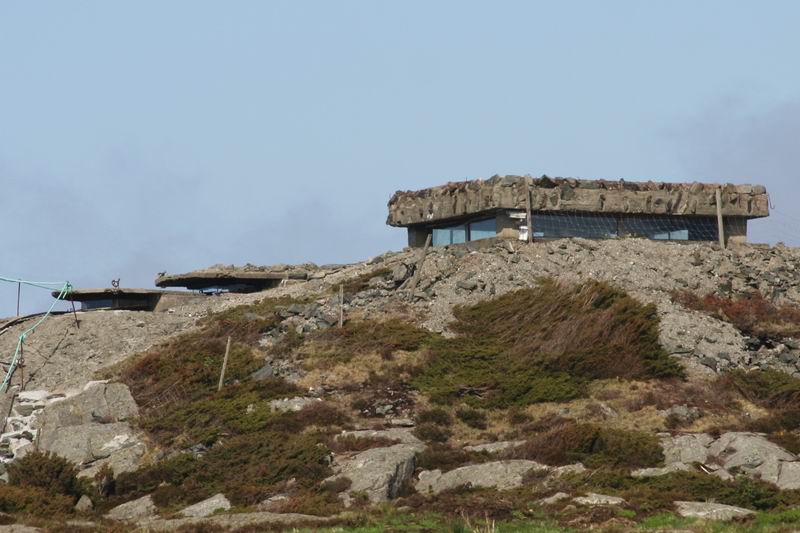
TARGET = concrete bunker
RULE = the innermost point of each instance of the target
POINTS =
(474, 210)
(129, 299)
(231, 280)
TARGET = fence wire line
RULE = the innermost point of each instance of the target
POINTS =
(65, 288)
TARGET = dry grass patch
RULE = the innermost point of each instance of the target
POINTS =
(753, 315)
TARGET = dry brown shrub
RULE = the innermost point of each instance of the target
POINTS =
(753, 315)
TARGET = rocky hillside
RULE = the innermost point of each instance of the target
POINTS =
(561, 384)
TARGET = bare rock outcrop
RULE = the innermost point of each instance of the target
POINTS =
(207, 507)
(92, 429)
(732, 453)
(500, 475)
(138, 509)
(711, 511)
(380, 473)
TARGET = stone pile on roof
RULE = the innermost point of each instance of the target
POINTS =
(463, 198)
(245, 278)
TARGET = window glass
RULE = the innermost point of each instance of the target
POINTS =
(557, 225)
(666, 228)
(450, 235)
(483, 229)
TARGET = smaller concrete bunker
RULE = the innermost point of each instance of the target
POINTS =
(129, 299)
(231, 279)
(467, 211)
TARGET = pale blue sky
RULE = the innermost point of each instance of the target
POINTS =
(143, 136)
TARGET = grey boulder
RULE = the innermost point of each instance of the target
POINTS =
(207, 507)
(501, 475)
(379, 472)
(133, 510)
(710, 511)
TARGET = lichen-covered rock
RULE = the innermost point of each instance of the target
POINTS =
(207, 507)
(598, 499)
(500, 475)
(99, 402)
(731, 454)
(661, 471)
(687, 449)
(710, 511)
(750, 454)
(401, 435)
(84, 504)
(133, 510)
(90, 430)
(380, 472)
(292, 404)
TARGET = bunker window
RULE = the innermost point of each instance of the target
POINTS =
(449, 235)
(670, 228)
(483, 229)
(559, 225)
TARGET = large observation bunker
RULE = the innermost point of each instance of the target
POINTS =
(467, 211)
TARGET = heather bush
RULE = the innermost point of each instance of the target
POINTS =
(430, 432)
(45, 471)
(436, 416)
(594, 446)
(544, 344)
(369, 336)
(472, 417)
(753, 315)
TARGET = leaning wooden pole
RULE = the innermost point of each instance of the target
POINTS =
(341, 306)
(224, 365)
(720, 220)
(528, 212)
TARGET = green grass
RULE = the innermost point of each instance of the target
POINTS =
(668, 521)
(544, 344)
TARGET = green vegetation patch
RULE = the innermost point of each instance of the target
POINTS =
(768, 388)
(188, 366)
(753, 315)
(236, 409)
(41, 484)
(657, 494)
(369, 336)
(775, 391)
(247, 469)
(361, 283)
(594, 446)
(544, 344)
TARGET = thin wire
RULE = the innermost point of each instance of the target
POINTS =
(66, 288)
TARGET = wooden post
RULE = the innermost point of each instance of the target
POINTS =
(19, 288)
(418, 270)
(74, 314)
(528, 212)
(720, 220)
(341, 305)
(21, 365)
(224, 364)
